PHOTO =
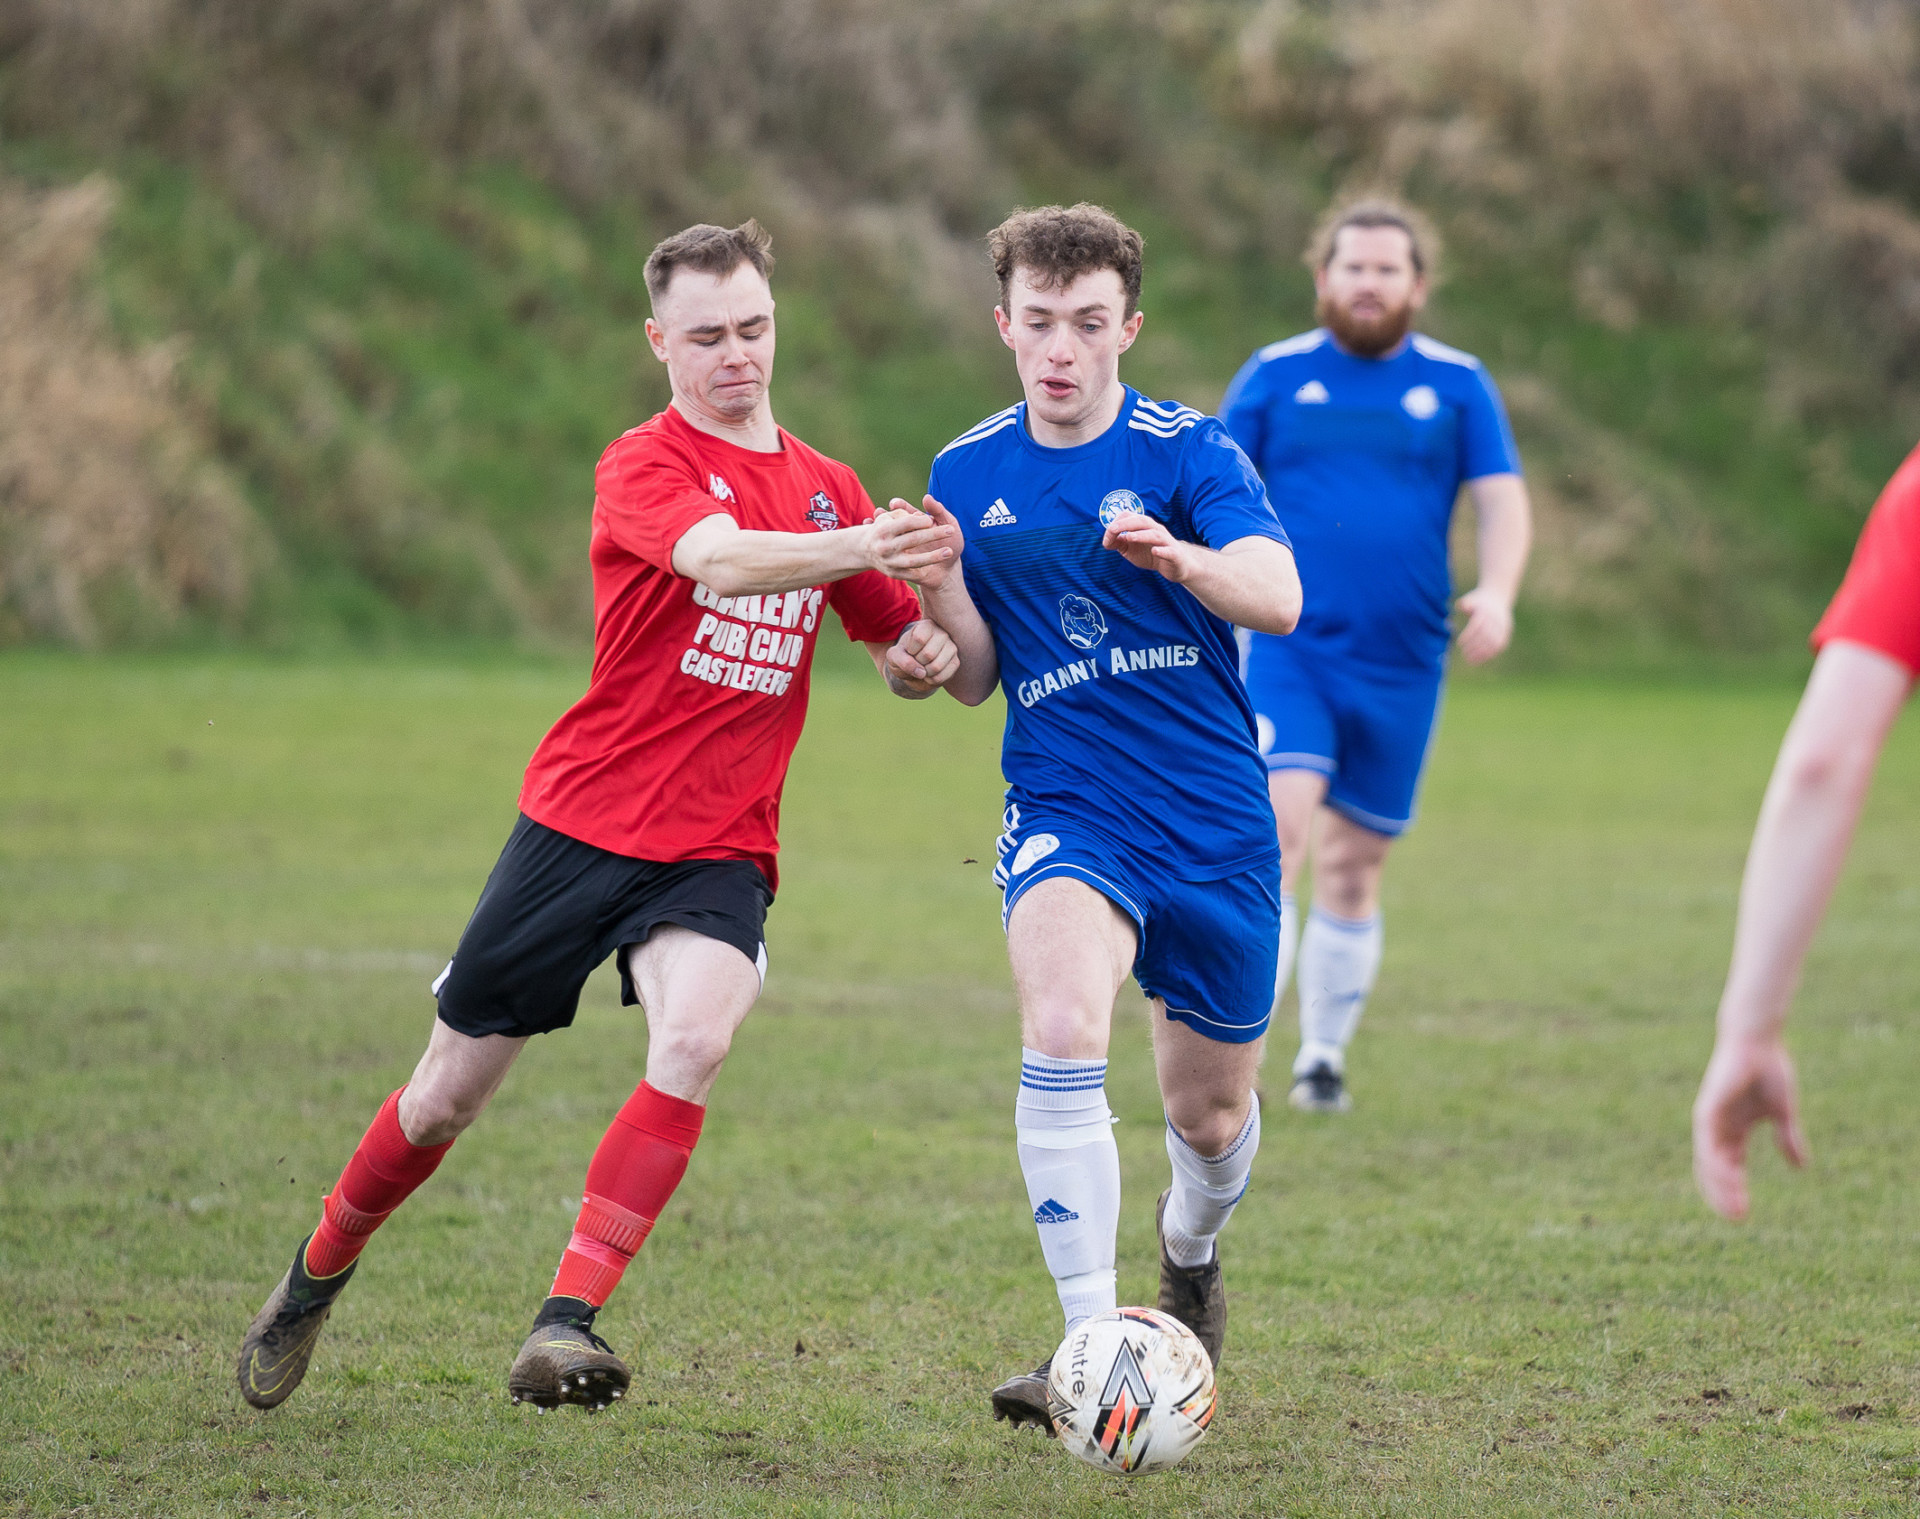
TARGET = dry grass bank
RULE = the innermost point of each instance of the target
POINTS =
(1731, 178)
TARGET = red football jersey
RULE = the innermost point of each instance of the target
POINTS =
(679, 748)
(1878, 604)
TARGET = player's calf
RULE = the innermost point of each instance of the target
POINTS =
(1189, 1217)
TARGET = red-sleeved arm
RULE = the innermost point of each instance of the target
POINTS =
(872, 607)
(1878, 604)
(650, 491)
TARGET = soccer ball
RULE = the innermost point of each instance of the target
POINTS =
(1131, 1391)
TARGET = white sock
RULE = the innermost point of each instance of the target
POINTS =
(1072, 1169)
(1339, 957)
(1289, 942)
(1205, 1190)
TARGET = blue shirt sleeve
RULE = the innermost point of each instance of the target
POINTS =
(1486, 441)
(1244, 409)
(1223, 490)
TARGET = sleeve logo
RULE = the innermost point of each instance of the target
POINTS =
(822, 513)
(1082, 621)
(1112, 505)
(721, 490)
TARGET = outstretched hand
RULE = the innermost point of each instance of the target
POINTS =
(1747, 1082)
(919, 547)
(1147, 545)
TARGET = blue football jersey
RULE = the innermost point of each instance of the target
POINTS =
(1124, 704)
(1363, 459)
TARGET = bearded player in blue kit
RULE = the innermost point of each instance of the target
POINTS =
(1365, 431)
(1112, 543)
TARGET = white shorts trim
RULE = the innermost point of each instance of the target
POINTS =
(1079, 872)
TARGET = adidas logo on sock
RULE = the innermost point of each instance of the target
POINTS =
(1051, 1212)
(999, 515)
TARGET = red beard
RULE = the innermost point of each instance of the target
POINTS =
(1367, 336)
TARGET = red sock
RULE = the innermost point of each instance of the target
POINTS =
(633, 1173)
(384, 1170)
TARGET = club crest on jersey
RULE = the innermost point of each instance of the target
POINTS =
(822, 513)
(1313, 393)
(1112, 505)
(721, 490)
(1420, 402)
(1082, 621)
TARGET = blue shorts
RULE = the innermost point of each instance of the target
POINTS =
(1207, 949)
(1364, 727)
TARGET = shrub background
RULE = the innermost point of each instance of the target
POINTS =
(315, 316)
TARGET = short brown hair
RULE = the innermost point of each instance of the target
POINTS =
(1058, 244)
(1374, 211)
(711, 250)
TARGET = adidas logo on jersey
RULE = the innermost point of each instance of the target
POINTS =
(1052, 1212)
(999, 515)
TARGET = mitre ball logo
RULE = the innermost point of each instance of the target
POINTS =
(822, 513)
(1082, 621)
(1114, 503)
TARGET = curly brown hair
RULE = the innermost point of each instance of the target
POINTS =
(711, 250)
(1058, 244)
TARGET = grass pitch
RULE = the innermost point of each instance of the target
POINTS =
(1489, 1290)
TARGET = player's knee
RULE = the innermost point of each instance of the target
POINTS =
(1063, 1027)
(433, 1116)
(1207, 1122)
(693, 1052)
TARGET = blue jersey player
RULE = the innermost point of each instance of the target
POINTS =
(1364, 433)
(1111, 544)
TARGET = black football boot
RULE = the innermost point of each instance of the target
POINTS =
(1195, 1295)
(564, 1361)
(279, 1342)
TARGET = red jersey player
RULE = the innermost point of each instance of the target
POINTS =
(649, 815)
(1869, 654)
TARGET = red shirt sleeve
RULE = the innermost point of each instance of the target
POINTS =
(872, 607)
(1878, 604)
(650, 491)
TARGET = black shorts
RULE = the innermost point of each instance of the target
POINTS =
(555, 908)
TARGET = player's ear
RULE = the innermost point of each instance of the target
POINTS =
(656, 340)
(1005, 324)
(1130, 329)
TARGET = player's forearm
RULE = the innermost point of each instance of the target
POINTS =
(1251, 584)
(1798, 848)
(1505, 534)
(951, 609)
(744, 562)
(1812, 806)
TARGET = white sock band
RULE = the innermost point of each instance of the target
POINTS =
(1206, 1189)
(1072, 1171)
(1289, 943)
(1339, 958)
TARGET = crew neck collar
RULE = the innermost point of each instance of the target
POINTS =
(1129, 397)
(1405, 347)
(777, 459)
